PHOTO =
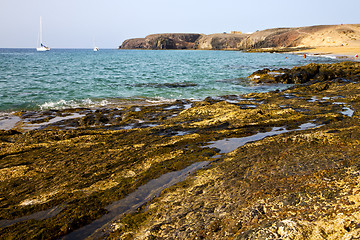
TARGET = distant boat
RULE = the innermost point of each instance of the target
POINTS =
(42, 47)
(95, 47)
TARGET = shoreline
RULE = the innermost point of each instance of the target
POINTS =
(342, 52)
(53, 118)
(301, 143)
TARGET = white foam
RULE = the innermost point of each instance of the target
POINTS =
(160, 100)
(62, 104)
(323, 56)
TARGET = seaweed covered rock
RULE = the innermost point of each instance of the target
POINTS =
(303, 74)
(282, 165)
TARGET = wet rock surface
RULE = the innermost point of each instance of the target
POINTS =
(297, 184)
(310, 72)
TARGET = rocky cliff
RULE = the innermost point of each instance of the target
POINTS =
(313, 36)
(221, 41)
(163, 41)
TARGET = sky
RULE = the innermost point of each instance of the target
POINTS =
(80, 23)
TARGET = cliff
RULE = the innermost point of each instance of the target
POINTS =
(163, 41)
(220, 41)
(312, 36)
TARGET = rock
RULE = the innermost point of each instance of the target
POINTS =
(304, 74)
(163, 41)
(220, 41)
(135, 43)
(296, 183)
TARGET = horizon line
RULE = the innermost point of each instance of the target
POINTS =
(53, 48)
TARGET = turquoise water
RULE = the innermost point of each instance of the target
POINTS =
(64, 78)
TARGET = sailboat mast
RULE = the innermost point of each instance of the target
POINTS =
(40, 30)
(42, 47)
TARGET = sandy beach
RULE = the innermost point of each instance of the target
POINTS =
(339, 52)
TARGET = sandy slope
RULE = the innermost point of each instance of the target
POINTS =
(336, 51)
(331, 36)
(334, 39)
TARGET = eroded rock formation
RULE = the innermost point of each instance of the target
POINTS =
(303, 74)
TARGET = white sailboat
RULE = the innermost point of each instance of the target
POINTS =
(95, 47)
(42, 47)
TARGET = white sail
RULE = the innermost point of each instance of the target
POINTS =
(42, 47)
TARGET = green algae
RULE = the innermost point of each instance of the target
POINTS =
(93, 165)
(310, 72)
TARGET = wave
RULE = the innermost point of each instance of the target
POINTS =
(112, 102)
(160, 100)
(323, 56)
(63, 104)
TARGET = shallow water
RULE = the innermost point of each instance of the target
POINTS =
(230, 144)
(8, 121)
(36, 216)
(133, 201)
(63, 78)
(347, 111)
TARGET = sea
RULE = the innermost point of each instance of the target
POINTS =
(72, 78)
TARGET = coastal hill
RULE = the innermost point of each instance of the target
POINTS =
(344, 35)
(163, 41)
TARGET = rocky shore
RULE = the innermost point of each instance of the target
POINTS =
(277, 165)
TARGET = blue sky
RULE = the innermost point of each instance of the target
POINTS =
(74, 23)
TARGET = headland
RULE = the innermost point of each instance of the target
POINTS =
(336, 40)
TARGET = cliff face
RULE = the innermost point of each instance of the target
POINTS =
(270, 38)
(221, 41)
(134, 43)
(313, 36)
(163, 41)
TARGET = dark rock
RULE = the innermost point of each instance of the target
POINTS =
(135, 43)
(310, 72)
(163, 41)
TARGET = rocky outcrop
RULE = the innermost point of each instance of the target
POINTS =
(163, 41)
(312, 71)
(313, 36)
(135, 43)
(271, 38)
(221, 41)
